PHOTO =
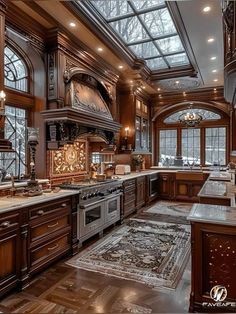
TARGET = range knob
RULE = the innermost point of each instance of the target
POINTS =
(100, 193)
(89, 195)
(109, 190)
(84, 197)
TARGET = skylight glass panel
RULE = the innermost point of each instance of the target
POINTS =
(156, 64)
(130, 29)
(112, 8)
(159, 22)
(178, 59)
(145, 50)
(145, 4)
(170, 44)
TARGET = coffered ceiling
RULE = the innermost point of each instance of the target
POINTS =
(193, 29)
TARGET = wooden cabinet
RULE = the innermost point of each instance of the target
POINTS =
(140, 192)
(213, 263)
(134, 114)
(129, 197)
(33, 237)
(10, 251)
(49, 232)
(188, 185)
(166, 185)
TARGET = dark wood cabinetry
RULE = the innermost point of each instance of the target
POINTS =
(129, 197)
(136, 118)
(166, 185)
(213, 263)
(140, 192)
(33, 237)
(10, 251)
(188, 186)
(49, 233)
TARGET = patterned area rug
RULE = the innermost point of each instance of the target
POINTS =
(172, 212)
(145, 251)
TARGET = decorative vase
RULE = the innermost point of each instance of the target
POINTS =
(138, 168)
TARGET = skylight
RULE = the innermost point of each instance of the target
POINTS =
(147, 29)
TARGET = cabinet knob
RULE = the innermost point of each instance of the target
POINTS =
(40, 212)
(63, 205)
(5, 224)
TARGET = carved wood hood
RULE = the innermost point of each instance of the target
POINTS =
(86, 110)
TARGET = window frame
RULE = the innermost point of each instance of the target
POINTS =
(202, 128)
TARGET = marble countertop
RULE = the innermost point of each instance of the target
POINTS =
(134, 175)
(215, 214)
(8, 203)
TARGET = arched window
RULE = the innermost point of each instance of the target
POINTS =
(205, 114)
(15, 71)
(204, 144)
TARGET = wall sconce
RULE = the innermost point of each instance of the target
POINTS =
(2, 101)
(126, 131)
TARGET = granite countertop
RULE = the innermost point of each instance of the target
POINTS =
(218, 189)
(215, 214)
(8, 203)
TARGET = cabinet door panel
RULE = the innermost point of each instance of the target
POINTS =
(8, 256)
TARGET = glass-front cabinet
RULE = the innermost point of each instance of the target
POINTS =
(141, 127)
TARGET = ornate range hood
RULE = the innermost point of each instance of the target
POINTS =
(86, 112)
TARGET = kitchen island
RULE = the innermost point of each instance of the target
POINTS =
(213, 237)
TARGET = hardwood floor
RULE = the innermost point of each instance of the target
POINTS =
(63, 289)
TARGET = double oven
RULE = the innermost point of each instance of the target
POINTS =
(98, 208)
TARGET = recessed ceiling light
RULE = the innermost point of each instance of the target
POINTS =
(143, 87)
(72, 24)
(120, 66)
(206, 9)
(210, 40)
(131, 81)
(213, 58)
(215, 80)
(214, 71)
(158, 89)
(100, 49)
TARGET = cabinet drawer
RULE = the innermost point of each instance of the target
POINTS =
(9, 222)
(49, 208)
(129, 184)
(45, 252)
(45, 228)
(129, 196)
(129, 208)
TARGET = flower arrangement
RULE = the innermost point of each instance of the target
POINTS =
(137, 160)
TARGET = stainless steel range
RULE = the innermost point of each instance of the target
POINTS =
(98, 207)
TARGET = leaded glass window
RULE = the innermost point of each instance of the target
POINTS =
(15, 131)
(15, 71)
(167, 146)
(206, 115)
(215, 149)
(191, 146)
(146, 28)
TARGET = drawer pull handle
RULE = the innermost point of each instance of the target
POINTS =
(5, 224)
(53, 247)
(54, 225)
(63, 205)
(40, 212)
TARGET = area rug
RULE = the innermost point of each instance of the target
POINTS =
(148, 252)
(172, 212)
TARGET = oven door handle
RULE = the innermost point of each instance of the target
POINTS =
(85, 206)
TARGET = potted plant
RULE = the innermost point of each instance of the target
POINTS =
(137, 161)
